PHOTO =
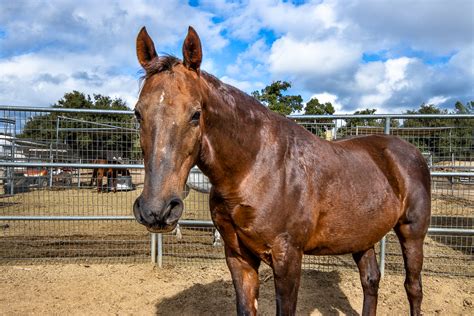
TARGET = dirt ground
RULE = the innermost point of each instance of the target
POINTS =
(142, 289)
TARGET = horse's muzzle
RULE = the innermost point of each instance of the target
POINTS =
(159, 218)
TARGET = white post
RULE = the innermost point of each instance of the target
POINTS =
(153, 248)
(383, 241)
(160, 250)
(157, 249)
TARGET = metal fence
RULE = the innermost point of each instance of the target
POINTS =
(52, 208)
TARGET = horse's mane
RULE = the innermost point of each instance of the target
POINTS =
(160, 64)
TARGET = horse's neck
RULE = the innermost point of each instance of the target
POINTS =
(231, 135)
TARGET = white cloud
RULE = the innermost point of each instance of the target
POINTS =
(246, 86)
(436, 100)
(378, 84)
(312, 58)
(433, 26)
(52, 48)
(246, 21)
(386, 81)
(39, 80)
(330, 59)
(251, 63)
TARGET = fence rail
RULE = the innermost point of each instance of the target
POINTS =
(72, 216)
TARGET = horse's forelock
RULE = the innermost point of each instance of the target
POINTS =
(160, 64)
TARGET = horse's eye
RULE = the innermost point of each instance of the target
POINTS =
(138, 115)
(195, 118)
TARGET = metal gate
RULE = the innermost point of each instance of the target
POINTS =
(51, 209)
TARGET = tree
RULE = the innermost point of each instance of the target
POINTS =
(272, 96)
(427, 109)
(318, 126)
(353, 122)
(464, 132)
(87, 136)
(464, 109)
(315, 108)
(447, 137)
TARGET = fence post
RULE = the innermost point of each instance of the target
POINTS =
(50, 172)
(153, 247)
(157, 249)
(79, 175)
(386, 131)
(160, 250)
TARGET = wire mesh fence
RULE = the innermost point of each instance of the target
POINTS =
(57, 204)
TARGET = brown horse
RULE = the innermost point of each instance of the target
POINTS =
(110, 173)
(278, 191)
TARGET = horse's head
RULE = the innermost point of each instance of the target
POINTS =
(168, 109)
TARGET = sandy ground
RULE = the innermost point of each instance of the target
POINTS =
(142, 289)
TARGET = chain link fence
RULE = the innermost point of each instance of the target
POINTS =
(58, 201)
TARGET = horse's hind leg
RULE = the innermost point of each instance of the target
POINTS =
(99, 182)
(370, 278)
(411, 231)
(412, 250)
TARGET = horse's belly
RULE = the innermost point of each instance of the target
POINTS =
(349, 230)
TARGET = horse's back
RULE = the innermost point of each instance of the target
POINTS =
(402, 163)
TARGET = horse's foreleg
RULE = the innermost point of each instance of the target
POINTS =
(243, 267)
(94, 175)
(114, 182)
(286, 263)
(370, 278)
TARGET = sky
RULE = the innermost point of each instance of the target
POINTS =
(357, 54)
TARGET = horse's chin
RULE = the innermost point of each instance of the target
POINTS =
(161, 229)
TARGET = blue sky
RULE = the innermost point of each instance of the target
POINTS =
(388, 55)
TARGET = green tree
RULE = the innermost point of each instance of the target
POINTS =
(272, 96)
(460, 108)
(464, 132)
(427, 122)
(442, 137)
(318, 126)
(86, 135)
(354, 122)
(314, 107)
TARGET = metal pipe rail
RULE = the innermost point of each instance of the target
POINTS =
(190, 223)
(140, 166)
(294, 116)
(380, 116)
(183, 222)
(62, 110)
(69, 165)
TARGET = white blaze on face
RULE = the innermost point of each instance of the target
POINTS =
(162, 97)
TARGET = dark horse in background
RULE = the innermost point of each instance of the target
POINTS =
(110, 173)
(278, 191)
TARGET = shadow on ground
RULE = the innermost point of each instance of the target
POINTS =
(319, 291)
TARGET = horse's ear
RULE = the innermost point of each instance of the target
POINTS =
(145, 48)
(192, 52)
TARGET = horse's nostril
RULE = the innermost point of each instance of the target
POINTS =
(175, 203)
(137, 203)
(173, 210)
